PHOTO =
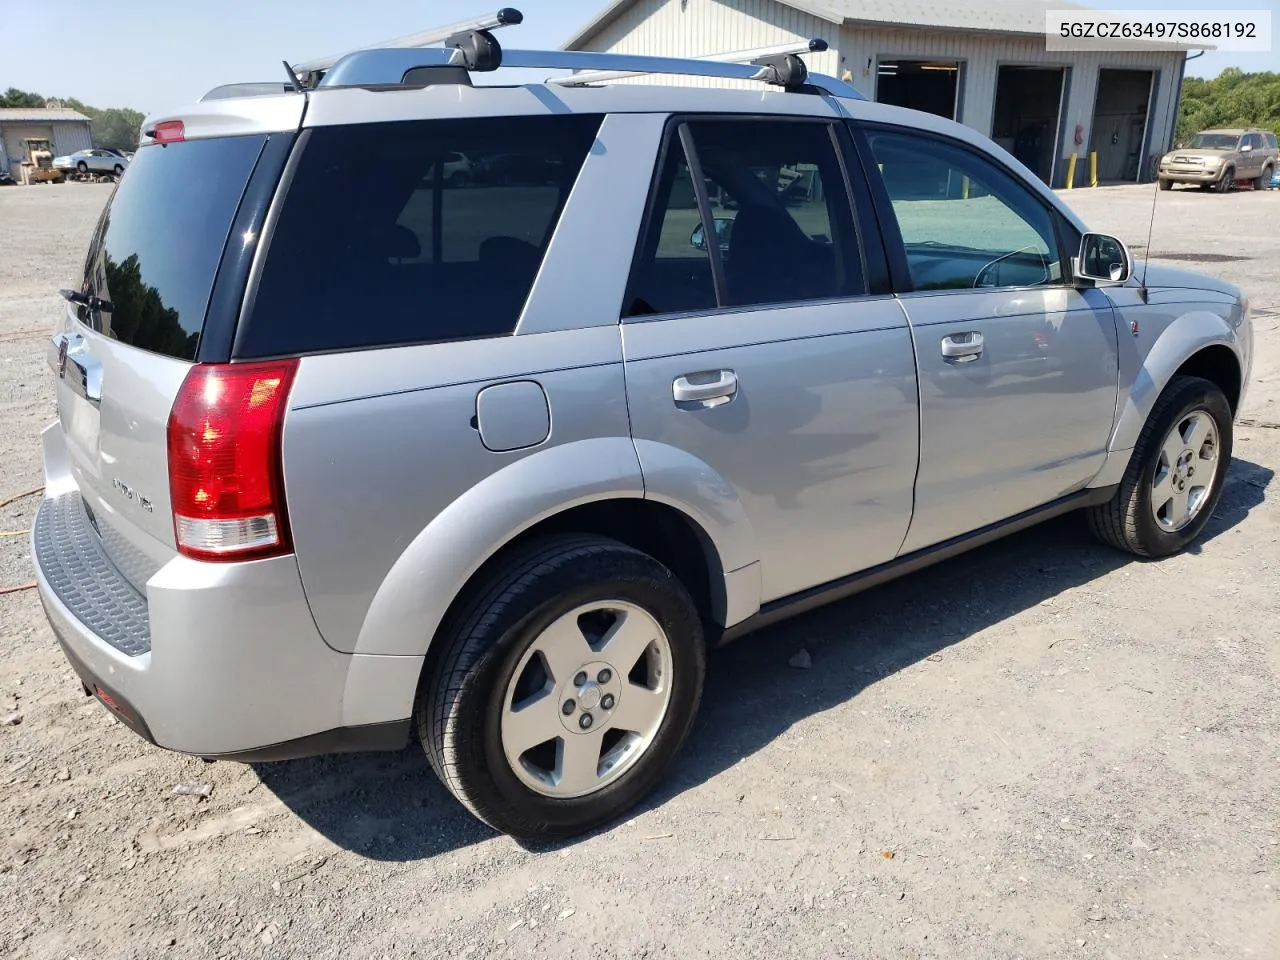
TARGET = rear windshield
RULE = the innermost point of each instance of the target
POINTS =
(155, 253)
(413, 232)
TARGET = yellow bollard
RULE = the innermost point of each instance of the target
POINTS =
(1071, 172)
(1093, 168)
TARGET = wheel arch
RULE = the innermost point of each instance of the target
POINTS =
(594, 486)
(1199, 343)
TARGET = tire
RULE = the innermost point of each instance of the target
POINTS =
(488, 645)
(1128, 521)
(1166, 184)
(117, 170)
(458, 180)
(1226, 182)
(82, 167)
(1264, 179)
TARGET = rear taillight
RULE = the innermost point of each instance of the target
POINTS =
(226, 475)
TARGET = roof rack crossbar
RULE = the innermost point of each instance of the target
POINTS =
(765, 57)
(454, 35)
(389, 65)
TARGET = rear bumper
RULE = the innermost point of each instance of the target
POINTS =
(232, 664)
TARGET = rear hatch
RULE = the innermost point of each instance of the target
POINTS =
(176, 237)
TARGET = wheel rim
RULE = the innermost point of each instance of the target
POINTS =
(1185, 472)
(587, 699)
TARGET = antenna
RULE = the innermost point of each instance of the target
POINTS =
(1151, 225)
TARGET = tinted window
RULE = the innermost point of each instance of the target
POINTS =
(1271, 140)
(157, 247)
(966, 223)
(413, 232)
(780, 212)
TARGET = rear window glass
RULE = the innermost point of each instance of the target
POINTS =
(413, 232)
(155, 253)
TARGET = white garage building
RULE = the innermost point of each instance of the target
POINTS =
(983, 63)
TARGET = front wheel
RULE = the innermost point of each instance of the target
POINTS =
(117, 170)
(1166, 184)
(1227, 181)
(82, 167)
(563, 690)
(1175, 476)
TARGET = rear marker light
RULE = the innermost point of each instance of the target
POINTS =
(226, 476)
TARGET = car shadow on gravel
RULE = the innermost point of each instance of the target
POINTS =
(391, 807)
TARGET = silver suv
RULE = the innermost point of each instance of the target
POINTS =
(341, 457)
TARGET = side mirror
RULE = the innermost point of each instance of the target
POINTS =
(1102, 260)
(724, 227)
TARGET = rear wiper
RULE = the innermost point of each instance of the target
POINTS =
(85, 300)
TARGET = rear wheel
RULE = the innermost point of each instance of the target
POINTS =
(1227, 181)
(1264, 179)
(117, 170)
(564, 688)
(1175, 476)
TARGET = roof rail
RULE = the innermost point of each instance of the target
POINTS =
(454, 35)
(388, 66)
(265, 88)
(469, 46)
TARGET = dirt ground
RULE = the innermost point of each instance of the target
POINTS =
(1042, 749)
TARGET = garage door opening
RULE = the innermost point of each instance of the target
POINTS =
(1119, 132)
(1028, 116)
(929, 85)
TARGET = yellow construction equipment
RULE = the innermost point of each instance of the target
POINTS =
(38, 166)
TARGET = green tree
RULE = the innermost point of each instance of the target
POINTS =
(1231, 99)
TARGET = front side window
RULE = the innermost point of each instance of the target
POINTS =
(413, 232)
(780, 216)
(966, 223)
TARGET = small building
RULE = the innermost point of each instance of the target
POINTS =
(65, 131)
(981, 62)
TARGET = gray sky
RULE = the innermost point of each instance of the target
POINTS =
(159, 54)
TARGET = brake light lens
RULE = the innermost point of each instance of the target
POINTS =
(169, 131)
(226, 472)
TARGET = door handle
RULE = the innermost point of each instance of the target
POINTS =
(72, 363)
(962, 347)
(712, 392)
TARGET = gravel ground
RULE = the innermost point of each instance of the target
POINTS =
(1041, 749)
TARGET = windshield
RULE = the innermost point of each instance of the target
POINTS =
(1214, 141)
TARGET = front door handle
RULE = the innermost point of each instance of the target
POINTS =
(709, 388)
(962, 347)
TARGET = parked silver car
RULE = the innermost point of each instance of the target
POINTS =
(497, 465)
(93, 161)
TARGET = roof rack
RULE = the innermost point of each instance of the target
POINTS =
(780, 65)
(469, 46)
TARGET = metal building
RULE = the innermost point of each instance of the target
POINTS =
(65, 131)
(982, 62)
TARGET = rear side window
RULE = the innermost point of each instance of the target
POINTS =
(413, 232)
(155, 253)
(1271, 140)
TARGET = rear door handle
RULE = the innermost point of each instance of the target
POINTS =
(72, 363)
(712, 392)
(962, 347)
